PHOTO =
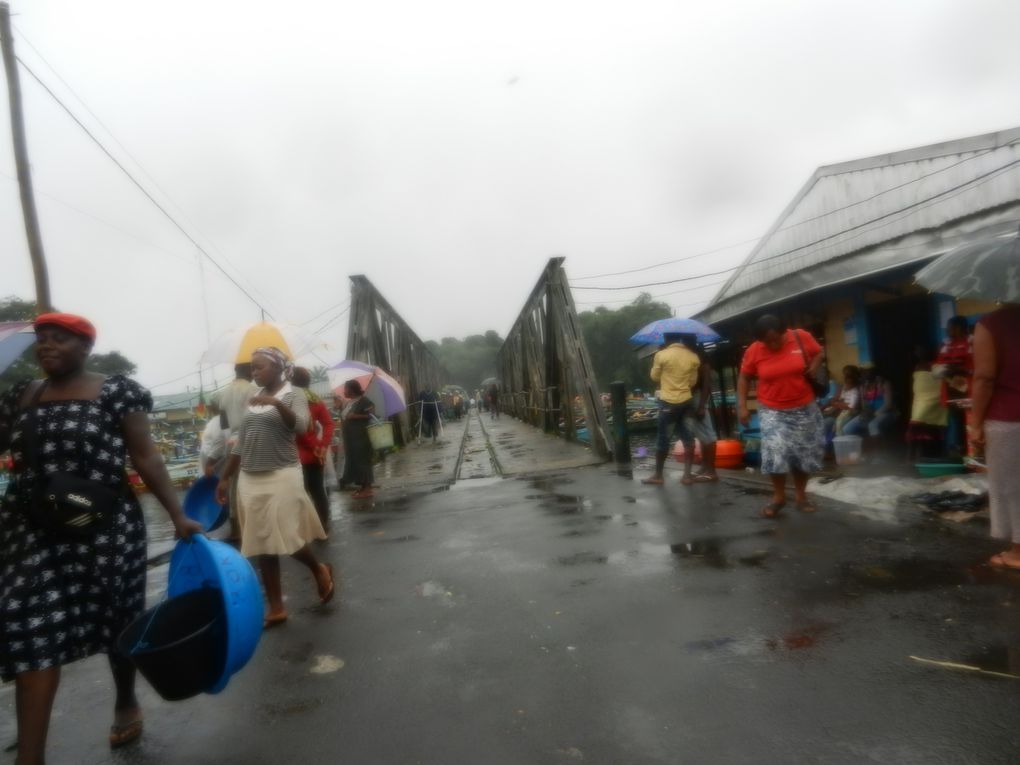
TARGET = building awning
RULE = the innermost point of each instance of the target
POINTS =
(916, 249)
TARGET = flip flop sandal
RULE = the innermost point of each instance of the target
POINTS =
(998, 562)
(771, 510)
(273, 621)
(807, 507)
(702, 478)
(325, 597)
(653, 481)
(126, 733)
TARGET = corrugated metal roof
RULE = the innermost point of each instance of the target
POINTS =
(859, 206)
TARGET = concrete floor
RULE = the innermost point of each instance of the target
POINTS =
(582, 617)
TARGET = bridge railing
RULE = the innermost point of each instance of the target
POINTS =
(546, 374)
(379, 336)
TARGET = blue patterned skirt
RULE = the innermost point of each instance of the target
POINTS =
(792, 439)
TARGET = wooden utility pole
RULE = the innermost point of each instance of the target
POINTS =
(35, 248)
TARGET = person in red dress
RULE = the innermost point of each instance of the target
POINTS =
(313, 446)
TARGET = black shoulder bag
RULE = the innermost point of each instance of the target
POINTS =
(816, 387)
(63, 502)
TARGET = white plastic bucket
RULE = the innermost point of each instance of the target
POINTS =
(848, 449)
(381, 435)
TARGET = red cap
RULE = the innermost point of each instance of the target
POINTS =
(79, 325)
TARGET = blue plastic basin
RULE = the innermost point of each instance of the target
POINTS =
(204, 563)
(200, 504)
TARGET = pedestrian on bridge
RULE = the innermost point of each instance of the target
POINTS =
(354, 421)
(67, 592)
(675, 370)
(428, 400)
(313, 445)
(276, 515)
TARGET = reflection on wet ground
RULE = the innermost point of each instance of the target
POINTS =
(712, 550)
(905, 575)
(1003, 659)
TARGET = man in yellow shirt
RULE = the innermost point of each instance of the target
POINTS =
(675, 370)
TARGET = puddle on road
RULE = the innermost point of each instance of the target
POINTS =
(795, 640)
(283, 709)
(582, 558)
(711, 550)
(906, 575)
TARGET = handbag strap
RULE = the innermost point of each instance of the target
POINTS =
(803, 355)
(29, 431)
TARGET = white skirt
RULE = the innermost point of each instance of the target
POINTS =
(276, 515)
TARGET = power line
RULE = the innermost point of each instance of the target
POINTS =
(141, 167)
(141, 188)
(926, 201)
(658, 284)
(97, 219)
(656, 297)
(331, 322)
(669, 262)
(322, 313)
(802, 222)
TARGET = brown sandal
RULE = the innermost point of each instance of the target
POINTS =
(126, 733)
(273, 621)
(327, 595)
(771, 510)
(653, 481)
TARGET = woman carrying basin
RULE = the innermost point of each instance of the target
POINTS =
(72, 570)
(275, 513)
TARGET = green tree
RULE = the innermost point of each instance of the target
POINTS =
(319, 374)
(468, 361)
(607, 333)
(15, 309)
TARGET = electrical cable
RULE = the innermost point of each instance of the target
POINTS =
(802, 222)
(140, 167)
(141, 188)
(323, 312)
(331, 322)
(926, 201)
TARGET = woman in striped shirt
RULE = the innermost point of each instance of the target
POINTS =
(275, 513)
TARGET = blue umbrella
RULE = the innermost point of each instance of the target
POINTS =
(15, 337)
(653, 333)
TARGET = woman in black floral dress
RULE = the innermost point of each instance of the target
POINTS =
(64, 598)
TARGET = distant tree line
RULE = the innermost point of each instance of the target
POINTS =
(607, 332)
(468, 361)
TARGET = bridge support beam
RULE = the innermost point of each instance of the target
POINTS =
(379, 336)
(546, 374)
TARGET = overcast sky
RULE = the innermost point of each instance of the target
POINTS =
(447, 149)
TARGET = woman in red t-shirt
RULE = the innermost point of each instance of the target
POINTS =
(792, 429)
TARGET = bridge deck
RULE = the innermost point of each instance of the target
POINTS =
(479, 447)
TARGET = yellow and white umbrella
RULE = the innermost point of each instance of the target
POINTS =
(236, 346)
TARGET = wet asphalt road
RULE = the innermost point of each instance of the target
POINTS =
(581, 617)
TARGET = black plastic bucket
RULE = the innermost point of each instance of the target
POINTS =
(183, 643)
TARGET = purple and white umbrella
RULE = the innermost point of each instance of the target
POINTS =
(380, 388)
(15, 337)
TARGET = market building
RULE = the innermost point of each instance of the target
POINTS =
(841, 258)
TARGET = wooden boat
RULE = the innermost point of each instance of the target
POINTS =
(183, 471)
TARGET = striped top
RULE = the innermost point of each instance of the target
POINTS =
(264, 442)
